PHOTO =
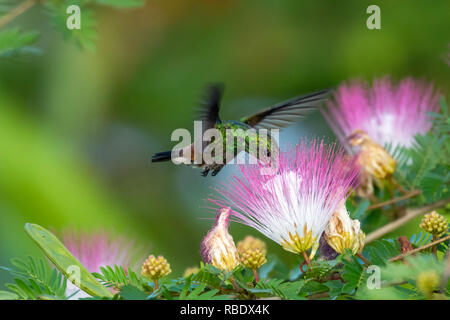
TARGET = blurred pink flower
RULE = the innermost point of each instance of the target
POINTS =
(99, 249)
(388, 114)
(293, 206)
(95, 250)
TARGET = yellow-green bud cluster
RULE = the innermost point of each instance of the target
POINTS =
(434, 223)
(252, 258)
(427, 282)
(252, 252)
(250, 243)
(155, 268)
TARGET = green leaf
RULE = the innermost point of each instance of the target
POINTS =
(291, 290)
(208, 275)
(130, 292)
(398, 280)
(34, 278)
(15, 288)
(320, 270)
(362, 207)
(6, 295)
(25, 288)
(86, 36)
(441, 121)
(388, 293)
(380, 251)
(267, 268)
(243, 277)
(198, 292)
(14, 42)
(208, 295)
(353, 273)
(280, 288)
(64, 260)
(335, 287)
(420, 239)
(435, 183)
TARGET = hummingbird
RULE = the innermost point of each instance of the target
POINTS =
(276, 116)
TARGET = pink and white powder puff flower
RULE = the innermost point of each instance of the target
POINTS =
(97, 250)
(292, 206)
(389, 114)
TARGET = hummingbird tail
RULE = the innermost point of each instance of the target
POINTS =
(162, 156)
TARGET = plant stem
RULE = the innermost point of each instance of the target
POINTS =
(308, 262)
(335, 276)
(392, 201)
(256, 275)
(156, 284)
(364, 259)
(428, 245)
(301, 266)
(410, 214)
(17, 11)
(434, 248)
(235, 285)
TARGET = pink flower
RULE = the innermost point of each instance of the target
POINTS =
(388, 114)
(293, 206)
(99, 249)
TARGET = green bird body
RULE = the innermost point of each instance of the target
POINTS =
(236, 136)
(243, 138)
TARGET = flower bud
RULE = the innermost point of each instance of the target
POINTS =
(373, 158)
(252, 258)
(344, 233)
(155, 268)
(251, 243)
(218, 247)
(427, 282)
(434, 223)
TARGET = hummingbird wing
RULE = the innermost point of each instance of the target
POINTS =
(209, 113)
(285, 113)
(209, 109)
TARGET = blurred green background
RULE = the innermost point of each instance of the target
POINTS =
(78, 128)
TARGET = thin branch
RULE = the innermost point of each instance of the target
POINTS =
(428, 245)
(17, 11)
(391, 201)
(364, 259)
(236, 286)
(410, 214)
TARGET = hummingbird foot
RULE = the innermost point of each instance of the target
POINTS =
(205, 172)
(216, 170)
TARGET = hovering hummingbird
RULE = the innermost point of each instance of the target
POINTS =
(277, 116)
